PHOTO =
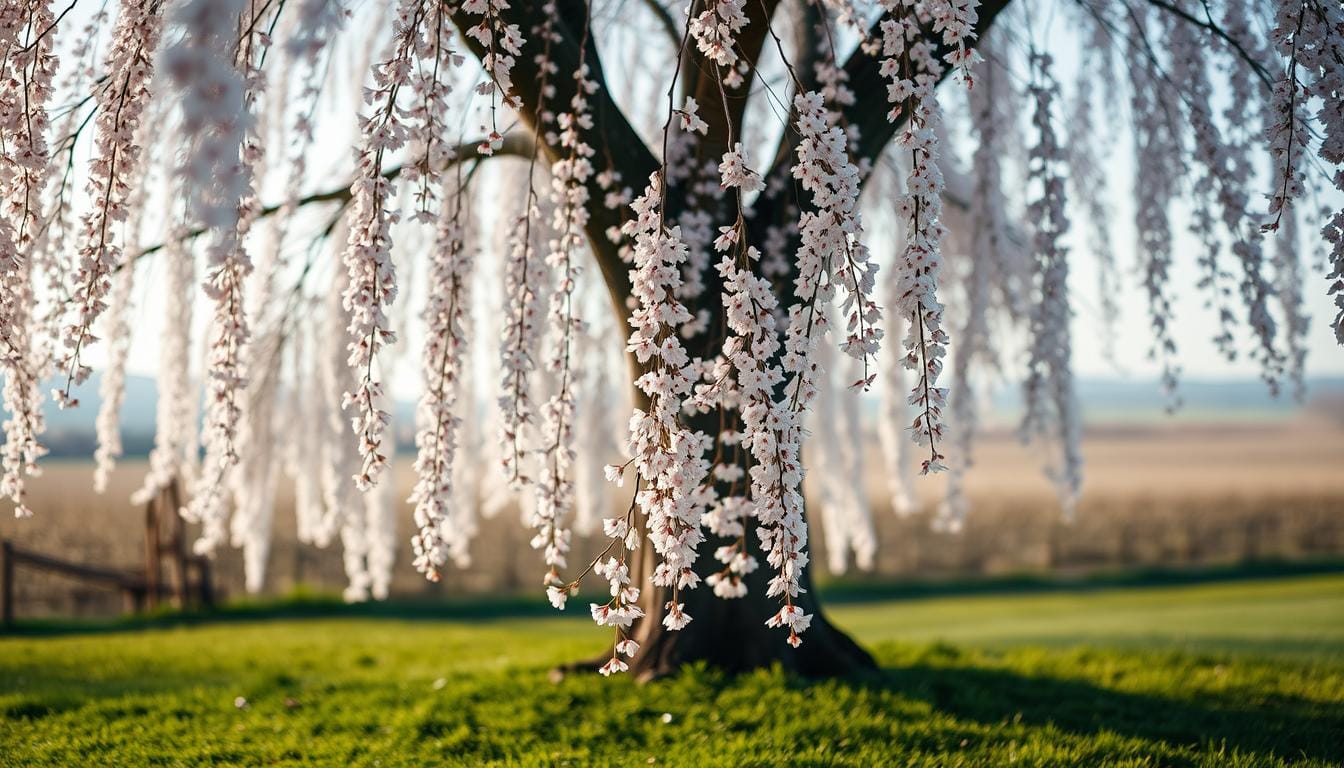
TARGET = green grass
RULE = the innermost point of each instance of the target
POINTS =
(1230, 674)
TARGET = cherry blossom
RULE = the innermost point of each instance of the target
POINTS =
(25, 88)
(438, 416)
(214, 124)
(120, 108)
(1049, 395)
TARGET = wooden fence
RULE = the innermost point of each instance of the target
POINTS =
(188, 579)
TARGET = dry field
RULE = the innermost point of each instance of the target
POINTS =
(1174, 494)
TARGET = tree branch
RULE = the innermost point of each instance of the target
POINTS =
(612, 136)
(515, 144)
(867, 113)
(700, 79)
(875, 130)
(1220, 33)
(665, 19)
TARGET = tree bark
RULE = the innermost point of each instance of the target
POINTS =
(727, 634)
(731, 635)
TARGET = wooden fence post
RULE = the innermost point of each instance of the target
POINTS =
(207, 591)
(7, 588)
(152, 567)
(177, 544)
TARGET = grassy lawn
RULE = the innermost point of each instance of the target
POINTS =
(1231, 674)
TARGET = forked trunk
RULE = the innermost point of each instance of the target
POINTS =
(730, 634)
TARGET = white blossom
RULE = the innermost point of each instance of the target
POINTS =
(715, 30)
(913, 72)
(130, 59)
(1051, 403)
(1307, 34)
(503, 42)
(214, 125)
(372, 283)
(1160, 166)
(438, 416)
(667, 455)
(173, 456)
(25, 88)
(570, 176)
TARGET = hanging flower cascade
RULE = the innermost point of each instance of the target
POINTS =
(214, 126)
(569, 200)
(25, 88)
(1306, 33)
(444, 357)
(1051, 403)
(910, 65)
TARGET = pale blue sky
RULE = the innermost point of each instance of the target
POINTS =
(1195, 324)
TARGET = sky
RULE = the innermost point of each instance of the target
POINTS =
(1196, 324)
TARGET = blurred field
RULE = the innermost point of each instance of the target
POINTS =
(1170, 495)
(1246, 674)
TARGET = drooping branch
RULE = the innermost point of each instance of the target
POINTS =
(665, 21)
(1217, 31)
(612, 135)
(516, 144)
(875, 130)
(864, 75)
(723, 112)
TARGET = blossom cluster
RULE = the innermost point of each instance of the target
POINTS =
(25, 87)
(1235, 183)
(1088, 149)
(372, 285)
(50, 248)
(1307, 33)
(112, 387)
(214, 123)
(989, 256)
(1287, 133)
(914, 72)
(623, 608)
(832, 233)
(525, 276)
(954, 21)
(715, 31)
(569, 198)
(1189, 71)
(173, 456)
(503, 43)
(254, 481)
(344, 506)
(130, 59)
(829, 255)
(1159, 164)
(430, 82)
(667, 455)
(743, 382)
(1049, 394)
(443, 366)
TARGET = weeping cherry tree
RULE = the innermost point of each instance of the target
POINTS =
(619, 248)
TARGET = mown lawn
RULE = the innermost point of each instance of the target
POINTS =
(1235, 674)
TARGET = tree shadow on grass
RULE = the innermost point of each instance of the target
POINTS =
(1287, 726)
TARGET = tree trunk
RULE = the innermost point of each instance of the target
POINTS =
(727, 634)
(731, 635)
